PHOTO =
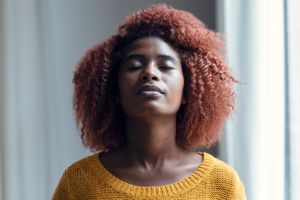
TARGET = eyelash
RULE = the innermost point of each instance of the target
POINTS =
(161, 67)
(134, 68)
(166, 67)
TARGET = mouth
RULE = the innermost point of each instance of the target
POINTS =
(150, 89)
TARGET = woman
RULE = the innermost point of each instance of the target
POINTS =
(145, 99)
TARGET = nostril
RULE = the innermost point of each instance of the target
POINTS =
(154, 78)
(149, 76)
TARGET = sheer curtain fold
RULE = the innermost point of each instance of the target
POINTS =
(293, 49)
(255, 134)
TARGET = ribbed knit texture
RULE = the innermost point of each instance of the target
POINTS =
(88, 179)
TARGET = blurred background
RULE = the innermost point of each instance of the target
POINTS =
(41, 41)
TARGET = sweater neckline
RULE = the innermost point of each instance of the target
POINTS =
(171, 189)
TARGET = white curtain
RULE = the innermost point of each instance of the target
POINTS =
(22, 63)
(254, 142)
(38, 137)
(293, 62)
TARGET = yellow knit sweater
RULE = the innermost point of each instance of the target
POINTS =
(88, 179)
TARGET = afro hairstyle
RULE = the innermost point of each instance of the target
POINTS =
(208, 87)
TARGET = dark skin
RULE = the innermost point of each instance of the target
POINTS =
(151, 156)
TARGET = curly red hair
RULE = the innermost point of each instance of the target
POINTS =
(208, 82)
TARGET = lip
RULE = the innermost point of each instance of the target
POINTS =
(150, 89)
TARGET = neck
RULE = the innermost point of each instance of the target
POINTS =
(151, 142)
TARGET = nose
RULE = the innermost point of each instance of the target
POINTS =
(150, 73)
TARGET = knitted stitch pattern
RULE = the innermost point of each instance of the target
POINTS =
(88, 179)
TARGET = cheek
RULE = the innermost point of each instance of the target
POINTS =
(176, 88)
(125, 85)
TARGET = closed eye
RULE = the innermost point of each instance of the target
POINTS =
(133, 68)
(166, 67)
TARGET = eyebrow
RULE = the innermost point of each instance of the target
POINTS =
(140, 56)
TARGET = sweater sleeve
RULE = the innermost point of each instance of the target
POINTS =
(62, 191)
(238, 189)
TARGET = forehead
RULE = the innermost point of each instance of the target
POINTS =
(151, 46)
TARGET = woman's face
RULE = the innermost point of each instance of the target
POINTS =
(150, 79)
